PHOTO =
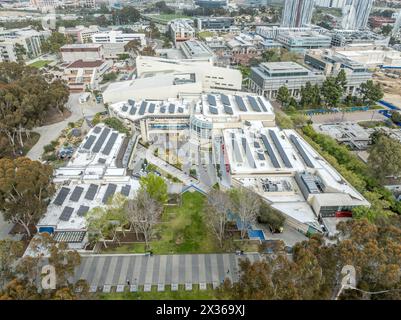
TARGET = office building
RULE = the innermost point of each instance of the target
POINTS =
(297, 13)
(302, 41)
(85, 51)
(116, 36)
(181, 30)
(339, 4)
(211, 4)
(214, 23)
(80, 34)
(348, 38)
(194, 49)
(356, 14)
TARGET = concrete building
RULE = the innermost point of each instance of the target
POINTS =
(339, 4)
(194, 49)
(302, 41)
(80, 34)
(211, 4)
(85, 52)
(297, 13)
(356, 14)
(181, 30)
(267, 78)
(372, 57)
(214, 23)
(346, 38)
(28, 39)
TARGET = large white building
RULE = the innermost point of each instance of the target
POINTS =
(356, 14)
(85, 52)
(181, 30)
(115, 36)
(297, 13)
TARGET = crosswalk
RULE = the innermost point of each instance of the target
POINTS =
(114, 270)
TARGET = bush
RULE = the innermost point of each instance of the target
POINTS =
(271, 217)
(49, 148)
(116, 124)
(50, 157)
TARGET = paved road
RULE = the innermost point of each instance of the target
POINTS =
(53, 131)
(351, 116)
(112, 270)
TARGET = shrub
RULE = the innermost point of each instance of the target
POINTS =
(49, 148)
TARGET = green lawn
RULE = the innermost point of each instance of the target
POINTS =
(181, 294)
(205, 34)
(182, 230)
(168, 17)
(40, 63)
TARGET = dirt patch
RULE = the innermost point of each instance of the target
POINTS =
(54, 116)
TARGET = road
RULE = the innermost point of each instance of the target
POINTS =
(102, 271)
(52, 132)
(348, 116)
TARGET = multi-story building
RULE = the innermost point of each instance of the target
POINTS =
(271, 33)
(339, 4)
(301, 41)
(115, 36)
(267, 78)
(297, 13)
(12, 40)
(211, 4)
(356, 14)
(85, 52)
(194, 49)
(80, 34)
(214, 23)
(181, 30)
(346, 38)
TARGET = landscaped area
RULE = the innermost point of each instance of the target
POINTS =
(40, 63)
(167, 17)
(181, 294)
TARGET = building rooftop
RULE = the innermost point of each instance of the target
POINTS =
(85, 64)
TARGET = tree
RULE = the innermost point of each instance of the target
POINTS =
(133, 46)
(10, 251)
(271, 217)
(59, 94)
(331, 92)
(395, 116)
(385, 158)
(20, 52)
(155, 186)
(371, 92)
(246, 205)
(126, 15)
(283, 96)
(55, 42)
(300, 120)
(25, 189)
(217, 206)
(148, 51)
(143, 213)
(341, 80)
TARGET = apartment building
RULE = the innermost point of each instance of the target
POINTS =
(181, 30)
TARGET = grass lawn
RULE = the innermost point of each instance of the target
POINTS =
(182, 230)
(205, 34)
(168, 17)
(40, 63)
(181, 294)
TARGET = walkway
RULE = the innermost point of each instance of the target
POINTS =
(53, 131)
(113, 270)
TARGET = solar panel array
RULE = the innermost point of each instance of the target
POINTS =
(132, 110)
(211, 99)
(111, 189)
(254, 104)
(66, 214)
(61, 196)
(142, 108)
(124, 108)
(163, 109)
(270, 152)
(171, 108)
(213, 110)
(97, 129)
(110, 143)
(99, 143)
(248, 153)
(225, 100)
(260, 156)
(131, 102)
(89, 142)
(151, 108)
(82, 210)
(240, 103)
(301, 151)
(262, 104)
(280, 149)
(228, 110)
(125, 190)
(90, 194)
(76, 194)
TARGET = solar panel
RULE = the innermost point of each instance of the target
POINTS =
(76, 194)
(225, 100)
(125, 190)
(171, 108)
(180, 109)
(262, 104)
(248, 153)
(270, 152)
(240, 103)
(124, 108)
(280, 149)
(142, 108)
(88, 143)
(132, 110)
(97, 130)
(213, 110)
(151, 108)
(66, 214)
(82, 211)
(111, 189)
(90, 194)
(260, 156)
(256, 144)
(211, 99)
(301, 151)
(254, 104)
(162, 109)
(228, 109)
(110, 143)
(99, 143)
(61, 196)
(131, 102)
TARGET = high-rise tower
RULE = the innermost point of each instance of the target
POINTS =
(297, 13)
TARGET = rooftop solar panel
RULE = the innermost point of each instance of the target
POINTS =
(142, 108)
(261, 156)
(262, 104)
(213, 110)
(125, 190)
(256, 144)
(171, 108)
(110, 143)
(225, 100)
(270, 152)
(280, 149)
(90, 194)
(151, 108)
(211, 99)
(99, 142)
(131, 102)
(301, 151)
(111, 189)
(88, 143)
(180, 109)
(82, 210)
(132, 111)
(248, 153)
(61, 196)
(97, 129)
(76, 194)
(240, 103)
(66, 214)
(124, 108)
(228, 110)
(254, 104)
